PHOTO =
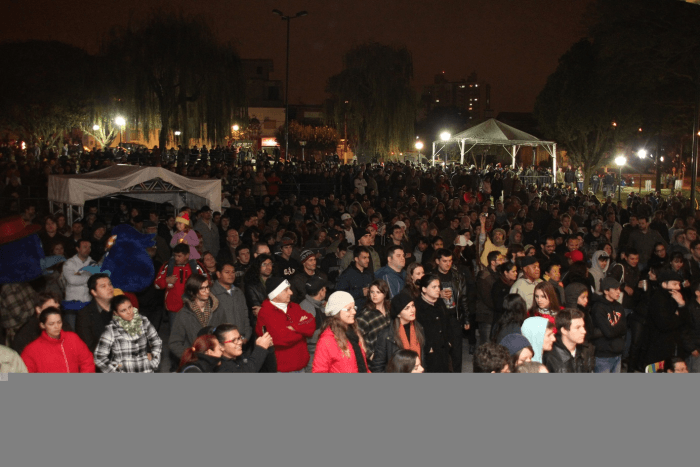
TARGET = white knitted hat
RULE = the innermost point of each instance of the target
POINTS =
(337, 301)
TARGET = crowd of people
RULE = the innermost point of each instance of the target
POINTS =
(368, 268)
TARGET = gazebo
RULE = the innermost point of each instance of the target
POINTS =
(495, 133)
(68, 193)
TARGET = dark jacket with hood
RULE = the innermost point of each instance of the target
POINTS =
(560, 360)
(609, 318)
(203, 364)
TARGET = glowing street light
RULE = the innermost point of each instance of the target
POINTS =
(419, 146)
(178, 133)
(642, 153)
(445, 136)
(236, 127)
(95, 127)
(620, 161)
(121, 122)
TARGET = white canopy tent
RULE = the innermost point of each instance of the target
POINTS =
(495, 133)
(70, 192)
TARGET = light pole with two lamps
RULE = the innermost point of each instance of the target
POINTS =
(286, 85)
(620, 161)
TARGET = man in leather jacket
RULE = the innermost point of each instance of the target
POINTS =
(569, 353)
(458, 302)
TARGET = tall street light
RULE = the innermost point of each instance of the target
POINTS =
(121, 122)
(445, 137)
(286, 84)
(419, 146)
(620, 161)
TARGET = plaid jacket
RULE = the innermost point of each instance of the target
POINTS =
(371, 323)
(16, 305)
(116, 347)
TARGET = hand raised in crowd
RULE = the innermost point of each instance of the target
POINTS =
(678, 298)
(264, 341)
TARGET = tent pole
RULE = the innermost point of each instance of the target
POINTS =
(513, 165)
(433, 153)
(461, 151)
(554, 164)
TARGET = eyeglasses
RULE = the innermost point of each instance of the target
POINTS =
(237, 339)
(204, 287)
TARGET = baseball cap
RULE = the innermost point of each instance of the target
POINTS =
(345, 216)
(608, 283)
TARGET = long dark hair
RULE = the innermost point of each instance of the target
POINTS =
(383, 288)
(252, 275)
(412, 287)
(420, 335)
(403, 361)
(116, 301)
(548, 289)
(514, 312)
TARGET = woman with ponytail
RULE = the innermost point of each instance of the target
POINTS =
(203, 357)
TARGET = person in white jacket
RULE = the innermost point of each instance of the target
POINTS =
(76, 280)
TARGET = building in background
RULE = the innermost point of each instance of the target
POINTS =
(468, 94)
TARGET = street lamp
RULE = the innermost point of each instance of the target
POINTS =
(445, 137)
(620, 161)
(286, 84)
(642, 154)
(235, 127)
(95, 127)
(302, 144)
(121, 122)
(419, 146)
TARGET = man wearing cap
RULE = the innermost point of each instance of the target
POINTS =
(314, 303)
(666, 319)
(357, 277)
(608, 316)
(285, 265)
(288, 325)
(303, 275)
(352, 234)
(209, 231)
(393, 273)
(525, 285)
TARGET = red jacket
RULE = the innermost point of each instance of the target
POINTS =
(68, 354)
(290, 346)
(329, 359)
(173, 295)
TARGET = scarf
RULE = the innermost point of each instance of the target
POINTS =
(354, 340)
(411, 344)
(204, 314)
(134, 327)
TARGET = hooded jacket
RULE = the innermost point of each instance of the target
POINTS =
(534, 329)
(596, 272)
(609, 318)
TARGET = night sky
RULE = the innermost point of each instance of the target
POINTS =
(513, 45)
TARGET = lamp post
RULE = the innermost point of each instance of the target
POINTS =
(286, 84)
(445, 137)
(121, 122)
(620, 161)
(302, 144)
(642, 154)
(419, 146)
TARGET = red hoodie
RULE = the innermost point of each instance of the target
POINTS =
(67, 354)
(173, 295)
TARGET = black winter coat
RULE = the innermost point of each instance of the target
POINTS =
(560, 360)
(251, 363)
(386, 347)
(664, 327)
(437, 337)
(204, 364)
(691, 336)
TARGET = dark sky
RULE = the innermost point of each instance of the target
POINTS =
(513, 45)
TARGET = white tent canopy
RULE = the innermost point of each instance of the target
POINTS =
(150, 183)
(495, 133)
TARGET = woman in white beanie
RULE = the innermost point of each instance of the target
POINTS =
(340, 347)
